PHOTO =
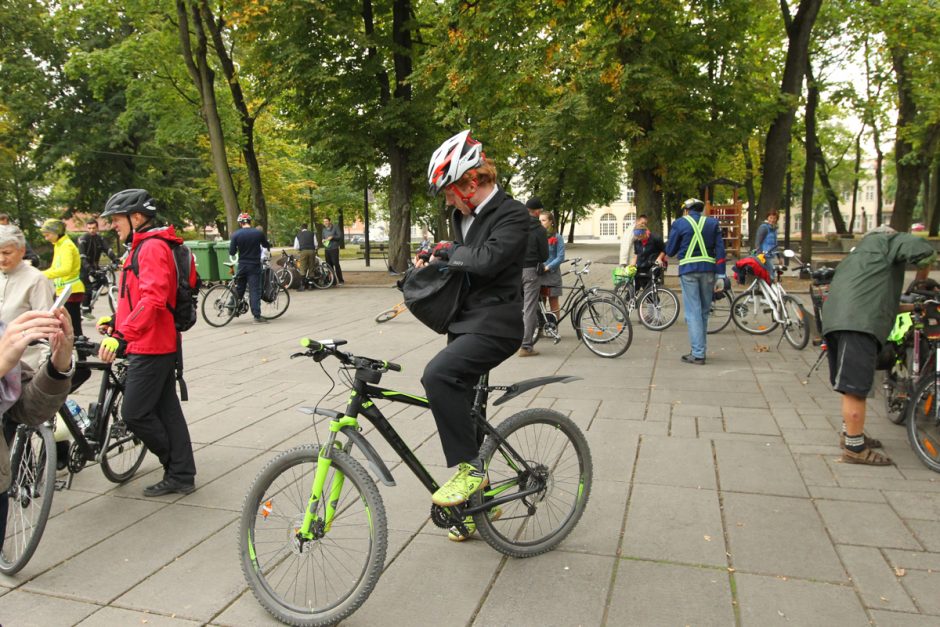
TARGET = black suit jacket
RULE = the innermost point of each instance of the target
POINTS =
(491, 256)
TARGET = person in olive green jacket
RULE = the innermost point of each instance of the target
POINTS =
(65, 269)
(857, 318)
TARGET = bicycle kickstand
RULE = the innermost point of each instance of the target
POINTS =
(822, 353)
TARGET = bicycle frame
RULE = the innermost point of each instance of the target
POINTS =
(360, 403)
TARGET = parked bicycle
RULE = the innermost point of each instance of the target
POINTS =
(391, 313)
(719, 313)
(599, 317)
(320, 275)
(763, 307)
(313, 534)
(103, 284)
(656, 306)
(221, 304)
(923, 413)
(106, 440)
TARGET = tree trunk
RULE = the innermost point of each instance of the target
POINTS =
(814, 150)
(778, 136)
(647, 199)
(571, 228)
(907, 164)
(933, 199)
(215, 26)
(751, 193)
(197, 64)
(857, 171)
(809, 183)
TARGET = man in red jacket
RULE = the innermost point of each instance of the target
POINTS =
(143, 328)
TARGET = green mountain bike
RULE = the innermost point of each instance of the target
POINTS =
(312, 535)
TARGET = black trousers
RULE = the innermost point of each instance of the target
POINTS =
(449, 379)
(74, 309)
(152, 410)
(250, 274)
(332, 258)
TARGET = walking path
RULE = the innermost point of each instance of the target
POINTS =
(718, 497)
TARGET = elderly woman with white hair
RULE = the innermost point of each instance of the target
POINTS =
(22, 287)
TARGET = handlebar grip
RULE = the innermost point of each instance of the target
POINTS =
(392, 366)
(312, 344)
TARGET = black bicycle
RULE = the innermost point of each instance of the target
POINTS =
(106, 440)
(319, 275)
(312, 535)
(103, 283)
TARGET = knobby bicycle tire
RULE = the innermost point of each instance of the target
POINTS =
(797, 328)
(219, 305)
(923, 423)
(33, 464)
(752, 314)
(653, 308)
(277, 307)
(556, 450)
(604, 327)
(720, 313)
(123, 451)
(895, 403)
(270, 552)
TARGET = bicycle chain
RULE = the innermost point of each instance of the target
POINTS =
(443, 520)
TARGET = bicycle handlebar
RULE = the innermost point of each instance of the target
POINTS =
(320, 349)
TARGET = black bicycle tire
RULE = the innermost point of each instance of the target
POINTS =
(280, 275)
(48, 490)
(492, 530)
(734, 307)
(247, 534)
(281, 294)
(389, 314)
(212, 299)
(727, 294)
(113, 409)
(639, 308)
(913, 421)
(890, 386)
(624, 319)
(798, 344)
(113, 296)
(325, 278)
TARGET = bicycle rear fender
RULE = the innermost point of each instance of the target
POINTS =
(379, 469)
(522, 387)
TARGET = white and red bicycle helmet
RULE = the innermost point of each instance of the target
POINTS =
(452, 159)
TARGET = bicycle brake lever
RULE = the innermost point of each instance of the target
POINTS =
(298, 355)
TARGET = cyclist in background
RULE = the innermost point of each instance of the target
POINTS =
(647, 248)
(766, 240)
(247, 242)
(143, 329)
(90, 247)
(65, 269)
(696, 240)
(305, 243)
(491, 229)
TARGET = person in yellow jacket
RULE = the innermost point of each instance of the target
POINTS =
(65, 268)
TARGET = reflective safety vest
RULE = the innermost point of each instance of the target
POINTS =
(696, 251)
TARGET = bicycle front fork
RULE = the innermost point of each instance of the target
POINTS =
(315, 526)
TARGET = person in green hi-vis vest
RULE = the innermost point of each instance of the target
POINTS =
(696, 240)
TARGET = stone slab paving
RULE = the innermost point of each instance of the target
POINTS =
(718, 496)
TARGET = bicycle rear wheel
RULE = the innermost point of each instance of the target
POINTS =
(561, 473)
(283, 277)
(752, 313)
(219, 305)
(720, 313)
(797, 327)
(923, 423)
(30, 495)
(325, 277)
(320, 581)
(604, 327)
(658, 310)
(390, 313)
(123, 451)
(277, 307)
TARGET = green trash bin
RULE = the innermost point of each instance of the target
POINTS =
(206, 264)
(220, 252)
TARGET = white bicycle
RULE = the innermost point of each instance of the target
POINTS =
(764, 306)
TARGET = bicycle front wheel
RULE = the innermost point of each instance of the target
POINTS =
(797, 326)
(390, 313)
(123, 451)
(720, 313)
(604, 327)
(753, 314)
(923, 423)
(896, 399)
(324, 278)
(557, 467)
(283, 277)
(277, 307)
(30, 495)
(219, 305)
(319, 581)
(658, 310)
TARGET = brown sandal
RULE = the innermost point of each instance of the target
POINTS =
(869, 442)
(867, 457)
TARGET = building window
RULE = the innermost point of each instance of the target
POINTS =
(797, 222)
(608, 225)
(869, 193)
(631, 195)
(628, 221)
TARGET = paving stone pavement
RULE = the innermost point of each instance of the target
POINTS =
(718, 498)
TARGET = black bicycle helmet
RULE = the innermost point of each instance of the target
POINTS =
(130, 201)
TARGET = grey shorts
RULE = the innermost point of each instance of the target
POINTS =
(852, 358)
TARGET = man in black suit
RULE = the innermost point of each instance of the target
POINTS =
(490, 230)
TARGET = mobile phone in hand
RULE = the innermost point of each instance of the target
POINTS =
(60, 300)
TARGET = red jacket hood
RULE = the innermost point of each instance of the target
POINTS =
(163, 232)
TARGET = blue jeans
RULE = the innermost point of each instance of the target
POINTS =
(250, 274)
(697, 290)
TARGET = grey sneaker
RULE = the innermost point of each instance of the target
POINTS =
(261, 320)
